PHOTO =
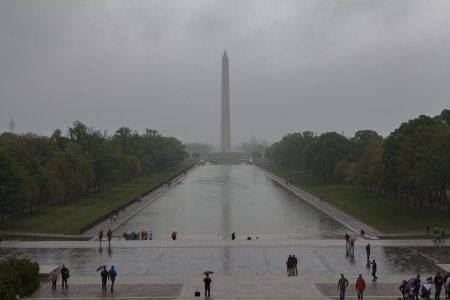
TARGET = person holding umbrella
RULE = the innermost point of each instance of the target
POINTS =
(352, 240)
(105, 275)
(207, 282)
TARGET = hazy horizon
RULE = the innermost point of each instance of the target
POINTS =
(295, 66)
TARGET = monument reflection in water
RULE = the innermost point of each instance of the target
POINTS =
(216, 200)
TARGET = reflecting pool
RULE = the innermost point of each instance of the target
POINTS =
(216, 200)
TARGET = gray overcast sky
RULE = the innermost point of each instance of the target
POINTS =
(294, 66)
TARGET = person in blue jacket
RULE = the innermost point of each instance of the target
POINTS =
(112, 276)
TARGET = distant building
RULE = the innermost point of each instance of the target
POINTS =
(12, 126)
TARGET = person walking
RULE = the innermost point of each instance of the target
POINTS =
(402, 288)
(289, 265)
(342, 285)
(352, 248)
(53, 277)
(233, 236)
(64, 276)
(374, 270)
(105, 275)
(109, 235)
(294, 264)
(207, 282)
(347, 244)
(112, 276)
(100, 236)
(368, 251)
(360, 286)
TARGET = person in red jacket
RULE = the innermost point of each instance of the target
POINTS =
(360, 287)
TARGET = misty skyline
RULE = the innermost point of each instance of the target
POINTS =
(294, 66)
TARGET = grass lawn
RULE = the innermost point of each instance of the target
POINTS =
(69, 218)
(385, 214)
(39, 238)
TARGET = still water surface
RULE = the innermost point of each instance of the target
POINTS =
(216, 200)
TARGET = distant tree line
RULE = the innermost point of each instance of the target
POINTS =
(37, 170)
(197, 148)
(412, 163)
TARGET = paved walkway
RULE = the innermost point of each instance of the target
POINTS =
(160, 257)
(348, 221)
(230, 288)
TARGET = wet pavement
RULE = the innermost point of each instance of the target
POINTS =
(229, 287)
(127, 291)
(244, 260)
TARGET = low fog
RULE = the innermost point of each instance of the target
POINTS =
(312, 65)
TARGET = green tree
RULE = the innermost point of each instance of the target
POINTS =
(82, 166)
(324, 154)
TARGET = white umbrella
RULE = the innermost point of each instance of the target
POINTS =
(428, 285)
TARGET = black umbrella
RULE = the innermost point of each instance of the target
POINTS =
(101, 267)
(208, 272)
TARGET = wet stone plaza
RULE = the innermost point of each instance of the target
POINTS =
(205, 207)
(234, 260)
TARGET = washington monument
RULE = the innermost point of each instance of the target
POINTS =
(225, 136)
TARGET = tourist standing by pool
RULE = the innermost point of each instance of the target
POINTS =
(64, 276)
(360, 287)
(342, 285)
(207, 281)
(53, 276)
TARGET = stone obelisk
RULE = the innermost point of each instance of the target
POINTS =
(225, 136)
